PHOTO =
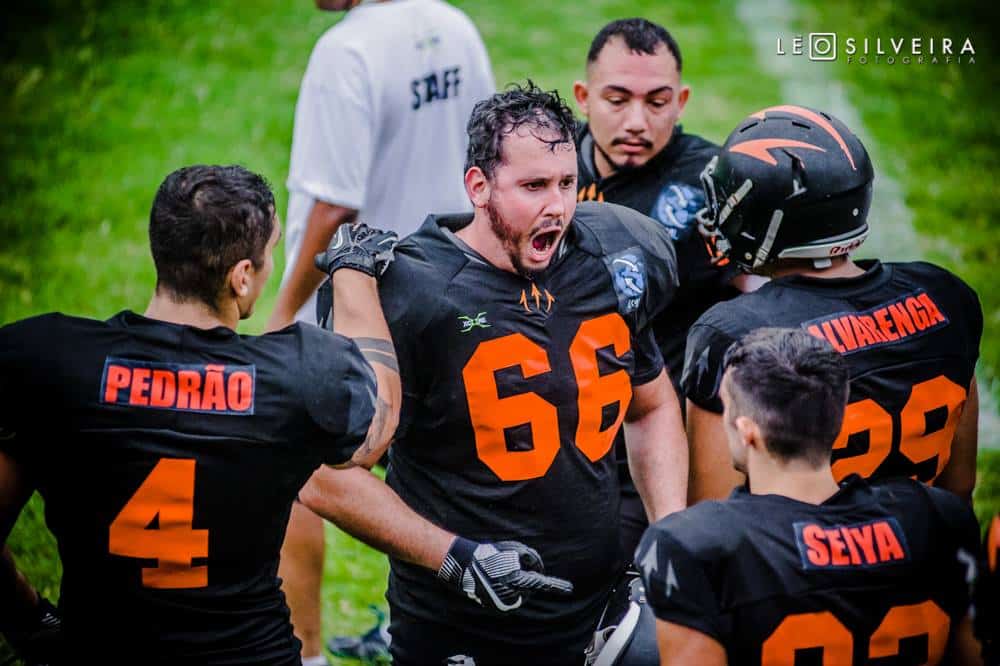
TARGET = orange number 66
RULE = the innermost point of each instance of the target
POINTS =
(491, 414)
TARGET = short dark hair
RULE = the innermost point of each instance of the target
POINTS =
(794, 386)
(204, 220)
(505, 112)
(640, 35)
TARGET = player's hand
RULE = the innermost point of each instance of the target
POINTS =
(38, 639)
(498, 575)
(360, 248)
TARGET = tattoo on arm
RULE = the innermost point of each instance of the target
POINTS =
(378, 350)
(378, 424)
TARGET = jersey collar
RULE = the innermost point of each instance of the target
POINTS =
(875, 274)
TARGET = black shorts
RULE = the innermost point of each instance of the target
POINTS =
(421, 643)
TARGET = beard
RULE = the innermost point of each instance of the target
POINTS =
(510, 240)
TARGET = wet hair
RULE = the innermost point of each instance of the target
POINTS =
(505, 112)
(640, 35)
(204, 220)
(794, 386)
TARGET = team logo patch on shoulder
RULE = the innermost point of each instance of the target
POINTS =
(628, 275)
(892, 322)
(858, 545)
(191, 387)
(676, 208)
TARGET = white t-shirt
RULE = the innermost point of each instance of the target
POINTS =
(381, 117)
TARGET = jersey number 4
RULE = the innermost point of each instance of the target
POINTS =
(491, 414)
(812, 631)
(165, 498)
(938, 395)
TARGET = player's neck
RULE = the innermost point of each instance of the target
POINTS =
(796, 479)
(190, 313)
(842, 267)
(602, 164)
(480, 237)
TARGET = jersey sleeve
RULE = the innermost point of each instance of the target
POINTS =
(406, 293)
(18, 344)
(957, 520)
(333, 137)
(648, 358)
(677, 585)
(339, 390)
(703, 365)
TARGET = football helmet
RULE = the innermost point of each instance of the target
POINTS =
(626, 632)
(789, 183)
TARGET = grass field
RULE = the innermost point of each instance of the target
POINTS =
(107, 97)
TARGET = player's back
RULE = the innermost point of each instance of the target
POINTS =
(873, 572)
(910, 334)
(168, 457)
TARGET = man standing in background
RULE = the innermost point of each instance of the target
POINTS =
(633, 152)
(379, 133)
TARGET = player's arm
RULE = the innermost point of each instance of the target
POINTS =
(28, 621)
(356, 256)
(657, 448)
(681, 645)
(959, 475)
(963, 648)
(494, 575)
(323, 221)
(362, 505)
(712, 475)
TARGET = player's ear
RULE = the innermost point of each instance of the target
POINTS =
(580, 93)
(477, 186)
(749, 432)
(240, 277)
(682, 97)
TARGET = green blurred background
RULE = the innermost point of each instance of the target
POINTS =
(105, 98)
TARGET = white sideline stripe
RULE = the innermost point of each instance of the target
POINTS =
(808, 83)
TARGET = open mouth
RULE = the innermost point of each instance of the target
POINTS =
(543, 241)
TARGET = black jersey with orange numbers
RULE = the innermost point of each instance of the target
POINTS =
(910, 335)
(668, 189)
(168, 457)
(513, 392)
(874, 572)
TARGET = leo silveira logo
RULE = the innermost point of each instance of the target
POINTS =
(823, 46)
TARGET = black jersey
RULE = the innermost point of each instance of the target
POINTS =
(168, 457)
(873, 572)
(513, 392)
(910, 335)
(668, 189)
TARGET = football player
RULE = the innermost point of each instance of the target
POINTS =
(788, 197)
(169, 449)
(794, 566)
(524, 341)
(633, 151)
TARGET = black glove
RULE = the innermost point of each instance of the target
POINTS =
(498, 575)
(360, 248)
(38, 638)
